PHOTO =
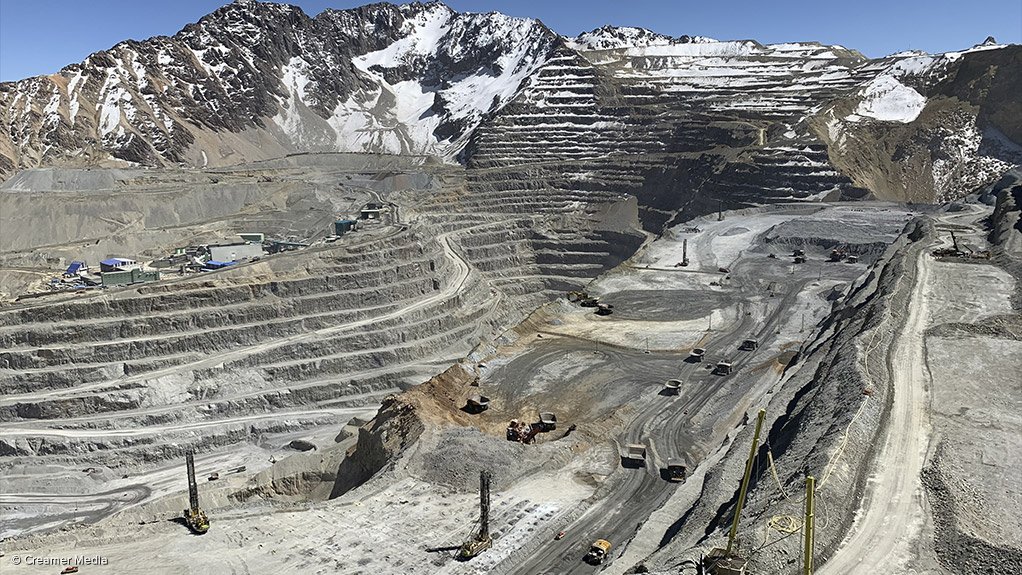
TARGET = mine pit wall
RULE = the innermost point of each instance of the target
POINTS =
(821, 396)
(1006, 228)
(220, 316)
(403, 418)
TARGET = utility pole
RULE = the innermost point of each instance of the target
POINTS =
(809, 525)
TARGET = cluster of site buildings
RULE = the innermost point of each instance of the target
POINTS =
(244, 247)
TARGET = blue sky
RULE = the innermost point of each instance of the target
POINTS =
(42, 36)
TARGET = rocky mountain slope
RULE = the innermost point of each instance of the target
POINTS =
(684, 123)
(255, 80)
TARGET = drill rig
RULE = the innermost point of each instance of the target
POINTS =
(194, 517)
(480, 541)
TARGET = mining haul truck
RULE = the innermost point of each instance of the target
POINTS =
(547, 421)
(597, 552)
(194, 517)
(676, 470)
(634, 455)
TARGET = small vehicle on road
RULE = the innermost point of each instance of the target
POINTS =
(559, 536)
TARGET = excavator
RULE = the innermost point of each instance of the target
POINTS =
(575, 296)
(839, 253)
(480, 540)
(522, 431)
(960, 251)
(194, 517)
(525, 432)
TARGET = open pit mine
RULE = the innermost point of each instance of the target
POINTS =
(400, 290)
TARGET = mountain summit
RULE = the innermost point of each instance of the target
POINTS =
(257, 80)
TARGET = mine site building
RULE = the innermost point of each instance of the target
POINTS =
(235, 251)
(216, 265)
(256, 237)
(128, 277)
(372, 211)
(342, 227)
(76, 268)
(118, 265)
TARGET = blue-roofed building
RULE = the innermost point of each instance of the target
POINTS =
(216, 265)
(118, 265)
(76, 268)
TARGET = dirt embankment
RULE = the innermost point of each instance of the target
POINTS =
(824, 421)
(1006, 228)
(400, 422)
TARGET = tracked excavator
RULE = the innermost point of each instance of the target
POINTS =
(194, 517)
(575, 296)
(480, 540)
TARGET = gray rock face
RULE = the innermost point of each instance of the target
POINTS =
(684, 123)
(382, 78)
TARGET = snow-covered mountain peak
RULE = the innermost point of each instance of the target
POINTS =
(617, 37)
(256, 80)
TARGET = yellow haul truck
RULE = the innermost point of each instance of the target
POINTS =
(597, 552)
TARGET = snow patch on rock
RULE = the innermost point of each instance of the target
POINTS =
(888, 100)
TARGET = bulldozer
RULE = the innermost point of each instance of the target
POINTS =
(481, 540)
(195, 518)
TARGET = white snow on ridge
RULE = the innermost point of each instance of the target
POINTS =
(720, 49)
(426, 30)
(110, 107)
(913, 66)
(618, 37)
(888, 100)
(403, 122)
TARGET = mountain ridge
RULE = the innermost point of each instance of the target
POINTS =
(255, 80)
